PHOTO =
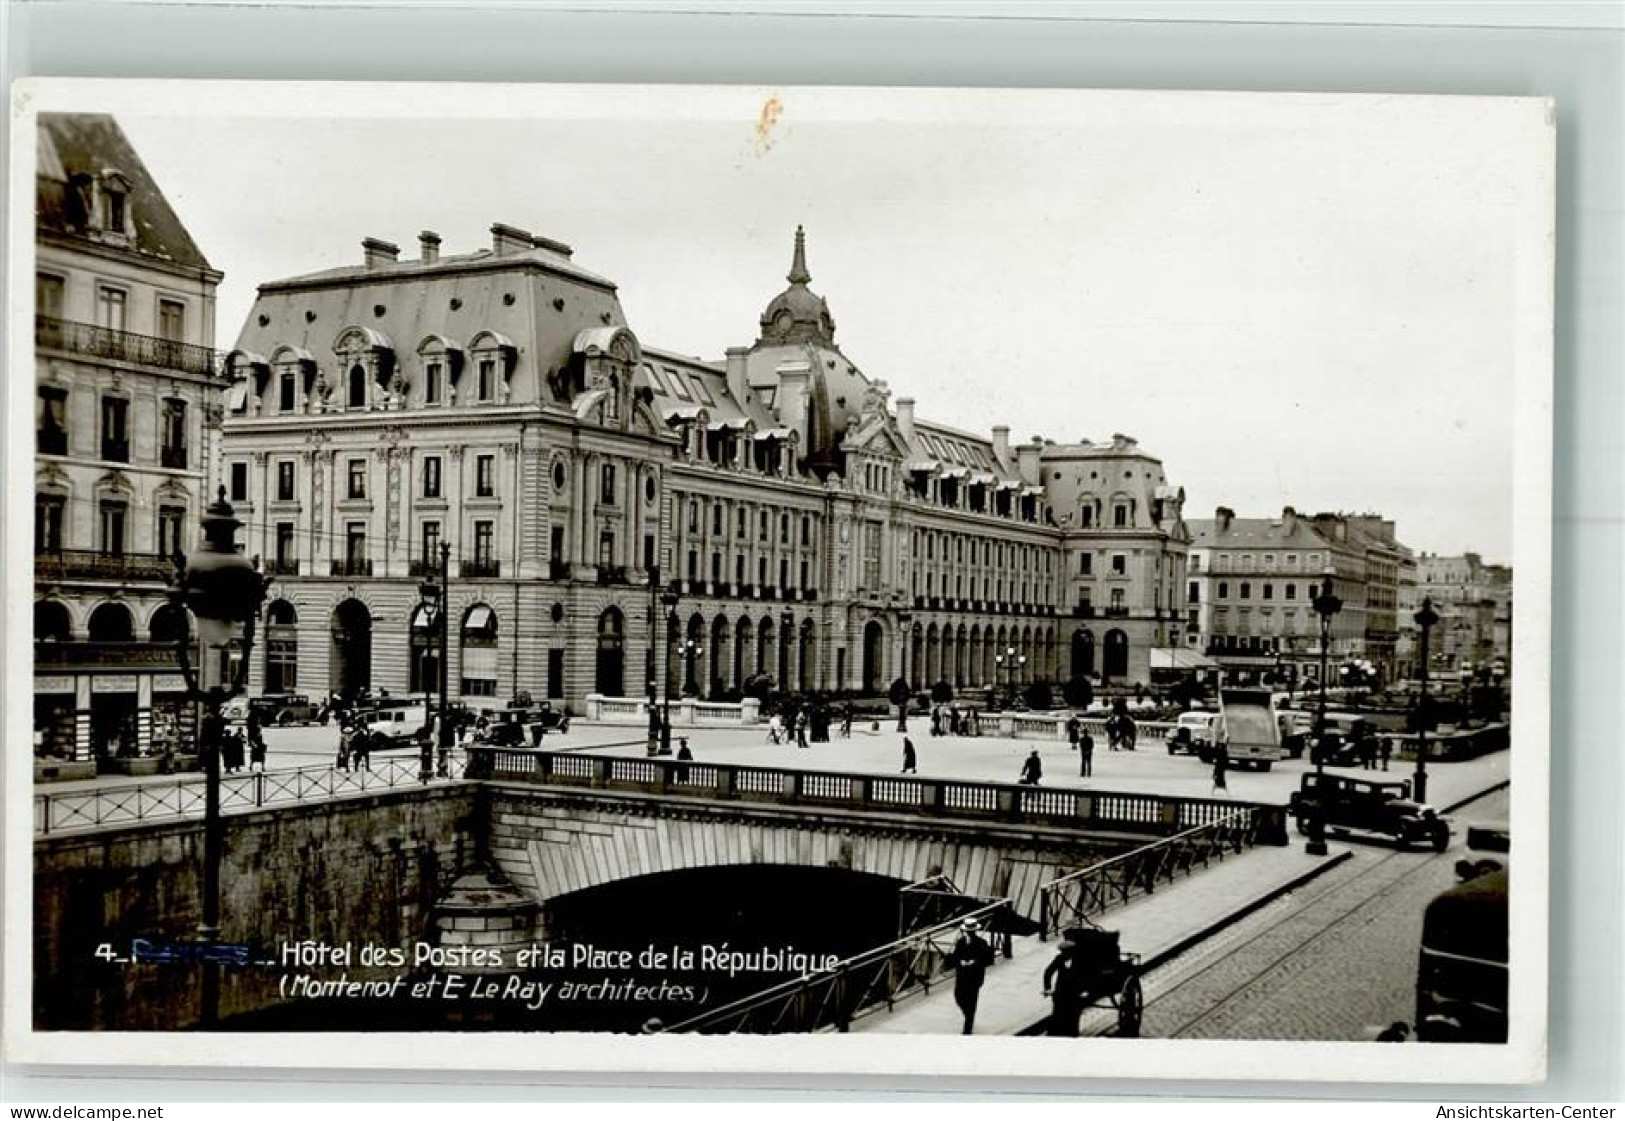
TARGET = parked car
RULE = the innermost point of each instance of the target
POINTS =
(523, 727)
(284, 708)
(1349, 805)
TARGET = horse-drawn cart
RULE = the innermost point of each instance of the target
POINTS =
(1098, 975)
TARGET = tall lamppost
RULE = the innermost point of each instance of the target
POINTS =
(435, 605)
(1426, 618)
(1326, 605)
(223, 591)
(1005, 667)
(669, 599)
(901, 687)
(650, 664)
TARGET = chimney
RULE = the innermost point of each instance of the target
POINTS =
(540, 242)
(905, 418)
(737, 388)
(1222, 517)
(1289, 520)
(429, 243)
(1001, 443)
(790, 402)
(1027, 460)
(376, 254)
(508, 240)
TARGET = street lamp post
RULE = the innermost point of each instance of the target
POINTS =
(1005, 666)
(902, 687)
(1326, 605)
(223, 590)
(649, 662)
(1426, 618)
(669, 599)
(787, 626)
(435, 603)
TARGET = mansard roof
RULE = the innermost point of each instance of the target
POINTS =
(77, 148)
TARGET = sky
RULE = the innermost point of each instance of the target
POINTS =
(1291, 300)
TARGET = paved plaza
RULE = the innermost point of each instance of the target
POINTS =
(1148, 769)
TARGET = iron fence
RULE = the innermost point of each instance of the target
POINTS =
(181, 798)
(873, 981)
(1070, 900)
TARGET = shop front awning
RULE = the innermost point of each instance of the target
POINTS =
(1175, 658)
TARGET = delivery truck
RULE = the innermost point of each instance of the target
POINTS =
(1250, 728)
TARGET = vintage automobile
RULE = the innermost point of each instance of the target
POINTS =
(1194, 732)
(1348, 805)
(522, 727)
(284, 708)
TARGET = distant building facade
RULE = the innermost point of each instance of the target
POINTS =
(819, 534)
(126, 423)
(1474, 603)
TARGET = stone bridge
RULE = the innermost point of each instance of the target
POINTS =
(563, 822)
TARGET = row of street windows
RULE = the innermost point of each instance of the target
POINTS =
(741, 522)
(1244, 590)
(356, 475)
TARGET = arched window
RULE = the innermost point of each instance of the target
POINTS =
(169, 623)
(51, 622)
(281, 647)
(479, 650)
(1115, 661)
(610, 678)
(111, 622)
(356, 387)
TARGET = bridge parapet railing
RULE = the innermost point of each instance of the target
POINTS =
(1071, 900)
(135, 803)
(686, 712)
(1155, 814)
(870, 982)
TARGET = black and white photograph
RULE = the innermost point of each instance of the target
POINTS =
(606, 577)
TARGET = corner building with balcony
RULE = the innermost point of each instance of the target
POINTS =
(127, 413)
(818, 533)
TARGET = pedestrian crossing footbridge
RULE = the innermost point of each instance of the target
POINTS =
(563, 822)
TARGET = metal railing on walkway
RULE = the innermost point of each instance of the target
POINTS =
(1068, 807)
(873, 981)
(139, 802)
(1070, 900)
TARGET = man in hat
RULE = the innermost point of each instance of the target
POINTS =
(1064, 983)
(969, 960)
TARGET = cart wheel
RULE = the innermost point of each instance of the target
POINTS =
(1130, 1009)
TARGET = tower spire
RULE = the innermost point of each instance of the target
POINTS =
(798, 266)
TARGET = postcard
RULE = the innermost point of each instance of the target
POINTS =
(887, 581)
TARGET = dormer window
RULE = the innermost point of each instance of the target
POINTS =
(116, 209)
(432, 374)
(494, 357)
(486, 387)
(356, 387)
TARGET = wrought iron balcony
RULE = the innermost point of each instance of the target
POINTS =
(116, 451)
(172, 457)
(1115, 612)
(481, 568)
(90, 341)
(809, 594)
(87, 564)
(558, 570)
(721, 588)
(612, 574)
(1083, 610)
(275, 567)
(352, 567)
(51, 441)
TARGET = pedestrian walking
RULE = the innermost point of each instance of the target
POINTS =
(1032, 771)
(1064, 984)
(909, 762)
(1072, 726)
(1221, 764)
(801, 728)
(1385, 750)
(684, 757)
(256, 753)
(362, 750)
(969, 960)
(1086, 754)
(346, 743)
(846, 721)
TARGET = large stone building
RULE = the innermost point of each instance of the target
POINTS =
(819, 532)
(1250, 596)
(1474, 603)
(126, 423)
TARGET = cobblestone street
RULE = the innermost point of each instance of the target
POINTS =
(1335, 960)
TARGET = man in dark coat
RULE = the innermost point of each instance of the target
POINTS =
(1064, 984)
(1086, 754)
(1032, 770)
(969, 960)
(909, 761)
